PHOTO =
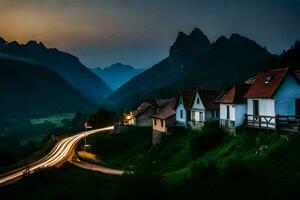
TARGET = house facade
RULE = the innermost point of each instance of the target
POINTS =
(182, 107)
(142, 115)
(204, 107)
(163, 121)
(274, 93)
(233, 107)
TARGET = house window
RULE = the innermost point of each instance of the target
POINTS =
(255, 107)
(181, 114)
(198, 100)
(162, 123)
(154, 122)
(227, 112)
(201, 117)
(217, 114)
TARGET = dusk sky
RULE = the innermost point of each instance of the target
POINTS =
(140, 32)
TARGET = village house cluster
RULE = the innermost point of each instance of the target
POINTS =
(269, 100)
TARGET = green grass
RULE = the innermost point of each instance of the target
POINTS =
(122, 150)
(55, 119)
(252, 165)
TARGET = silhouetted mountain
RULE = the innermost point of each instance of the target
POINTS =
(229, 61)
(27, 89)
(289, 58)
(67, 65)
(179, 62)
(116, 74)
(193, 61)
(187, 48)
(2, 42)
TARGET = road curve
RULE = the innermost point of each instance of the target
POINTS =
(97, 168)
(57, 155)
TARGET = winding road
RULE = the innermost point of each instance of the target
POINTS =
(58, 155)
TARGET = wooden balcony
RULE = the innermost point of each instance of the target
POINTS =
(279, 122)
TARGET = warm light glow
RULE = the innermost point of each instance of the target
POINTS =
(128, 118)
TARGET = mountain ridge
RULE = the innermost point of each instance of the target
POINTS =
(29, 89)
(193, 60)
(116, 74)
(65, 64)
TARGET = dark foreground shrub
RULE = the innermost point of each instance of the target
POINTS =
(210, 136)
(204, 173)
(235, 169)
(141, 186)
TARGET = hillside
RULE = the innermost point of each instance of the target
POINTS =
(204, 164)
(66, 65)
(289, 58)
(229, 61)
(28, 89)
(116, 74)
(192, 62)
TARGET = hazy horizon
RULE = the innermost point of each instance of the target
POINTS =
(133, 32)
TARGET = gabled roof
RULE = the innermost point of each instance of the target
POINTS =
(164, 102)
(209, 98)
(235, 94)
(167, 112)
(186, 96)
(267, 83)
(142, 108)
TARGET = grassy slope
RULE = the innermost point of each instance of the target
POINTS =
(250, 165)
(261, 160)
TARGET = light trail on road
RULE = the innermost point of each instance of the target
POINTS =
(57, 155)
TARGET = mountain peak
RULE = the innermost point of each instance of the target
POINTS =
(197, 32)
(34, 44)
(236, 36)
(181, 37)
(120, 66)
(41, 44)
(222, 38)
(13, 43)
(186, 46)
(2, 41)
(31, 43)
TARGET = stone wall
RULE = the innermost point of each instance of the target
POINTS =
(157, 137)
(120, 128)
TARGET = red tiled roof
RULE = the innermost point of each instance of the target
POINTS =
(209, 98)
(235, 94)
(167, 111)
(142, 108)
(262, 88)
(165, 114)
(187, 97)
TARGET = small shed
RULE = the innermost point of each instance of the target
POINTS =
(142, 115)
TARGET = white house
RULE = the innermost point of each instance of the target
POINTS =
(233, 107)
(204, 107)
(182, 107)
(274, 93)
